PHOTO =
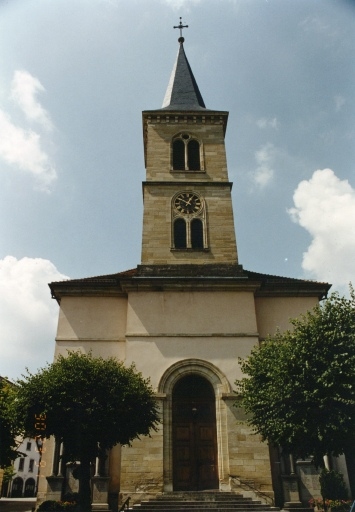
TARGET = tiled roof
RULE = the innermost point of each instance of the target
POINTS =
(193, 276)
(108, 278)
(109, 283)
(277, 279)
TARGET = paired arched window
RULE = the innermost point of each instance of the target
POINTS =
(178, 155)
(17, 486)
(180, 240)
(188, 222)
(29, 488)
(196, 234)
(186, 153)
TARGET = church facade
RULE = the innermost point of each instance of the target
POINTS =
(184, 316)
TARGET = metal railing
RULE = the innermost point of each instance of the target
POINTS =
(125, 505)
(244, 484)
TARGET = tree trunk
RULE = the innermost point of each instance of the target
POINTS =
(350, 464)
(84, 485)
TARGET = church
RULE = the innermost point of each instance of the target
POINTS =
(184, 316)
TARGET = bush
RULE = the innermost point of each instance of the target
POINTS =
(71, 496)
(339, 505)
(56, 506)
(332, 485)
(333, 505)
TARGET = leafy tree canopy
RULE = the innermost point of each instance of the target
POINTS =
(90, 404)
(8, 446)
(85, 402)
(299, 387)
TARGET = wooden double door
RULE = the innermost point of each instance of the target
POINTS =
(194, 435)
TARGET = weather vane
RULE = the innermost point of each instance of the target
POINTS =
(181, 26)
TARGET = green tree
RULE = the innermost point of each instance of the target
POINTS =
(332, 485)
(8, 445)
(299, 386)
(90, 404)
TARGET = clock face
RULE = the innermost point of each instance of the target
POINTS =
(187, 202)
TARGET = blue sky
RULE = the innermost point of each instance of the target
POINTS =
(75, 76)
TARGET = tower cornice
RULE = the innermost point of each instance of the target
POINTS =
(190, 116)
(189, 184)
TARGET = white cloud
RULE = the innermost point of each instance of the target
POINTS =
(325, 207)
(22, 149)
(314, 24)
(177, 4)
(24, 89)
(28, 315)
(339, 102)
(264, 157)
(327, 32)
(263, 123)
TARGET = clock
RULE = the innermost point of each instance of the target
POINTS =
(187, 202)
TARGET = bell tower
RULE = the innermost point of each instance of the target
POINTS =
(188, 216)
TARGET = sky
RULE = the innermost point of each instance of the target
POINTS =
(75, 77)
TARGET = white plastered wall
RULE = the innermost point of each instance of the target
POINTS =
(95, 324)
(274, 313)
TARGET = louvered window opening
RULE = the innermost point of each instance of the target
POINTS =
(186, 154)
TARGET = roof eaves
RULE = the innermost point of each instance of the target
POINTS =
(271, 285)
(104, 285)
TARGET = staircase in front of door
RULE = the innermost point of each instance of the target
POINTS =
(202, 501)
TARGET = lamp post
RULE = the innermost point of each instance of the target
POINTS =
(39, 444)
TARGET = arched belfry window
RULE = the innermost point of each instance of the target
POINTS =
(186, 153)
(193, 155)
(188, 219)
(178, 155)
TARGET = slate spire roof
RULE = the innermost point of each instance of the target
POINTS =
(182, 92)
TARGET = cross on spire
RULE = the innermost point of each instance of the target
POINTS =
(180, 27)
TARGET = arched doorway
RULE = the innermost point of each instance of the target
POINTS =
(194, 435)
(29, 488)
(17, 486)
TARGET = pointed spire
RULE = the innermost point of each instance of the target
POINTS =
(182, 92)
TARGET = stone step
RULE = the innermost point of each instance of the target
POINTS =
(239, 503)
(212, 497)
(197, 508)
(100, 507)
(211, 501)
(201, 495)
(196, 505)
(206, 504)
(244, 503)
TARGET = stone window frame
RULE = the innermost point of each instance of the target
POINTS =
(188, 218)
(31, 465)
(21, 464)
(221, 388)
(186, 137)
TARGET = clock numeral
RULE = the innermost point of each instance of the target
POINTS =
(187, 203)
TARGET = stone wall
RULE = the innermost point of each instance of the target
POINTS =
(142, 467)
(248, 456)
